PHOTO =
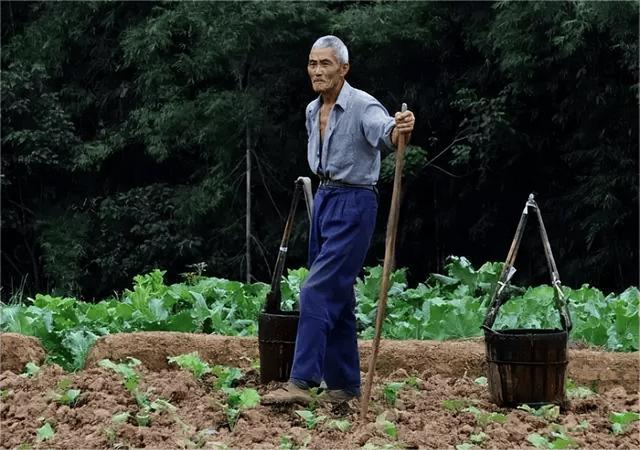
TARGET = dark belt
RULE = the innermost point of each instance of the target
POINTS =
(334, 183)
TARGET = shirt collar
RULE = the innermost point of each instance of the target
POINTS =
(343, 97)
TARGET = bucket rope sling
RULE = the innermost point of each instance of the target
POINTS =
(276, 328)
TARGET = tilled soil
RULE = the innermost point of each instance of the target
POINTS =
(199, 419)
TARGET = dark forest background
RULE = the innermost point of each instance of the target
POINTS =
(125, 127)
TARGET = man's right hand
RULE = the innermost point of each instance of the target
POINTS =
(404, 124)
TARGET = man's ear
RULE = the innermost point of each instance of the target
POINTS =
(345, 69)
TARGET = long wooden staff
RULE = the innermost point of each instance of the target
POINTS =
(389, 253)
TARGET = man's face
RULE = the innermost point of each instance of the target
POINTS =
(324, 69)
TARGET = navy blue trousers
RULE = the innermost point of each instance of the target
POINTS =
(326, 344)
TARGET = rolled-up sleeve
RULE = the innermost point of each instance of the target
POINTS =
(377, 125)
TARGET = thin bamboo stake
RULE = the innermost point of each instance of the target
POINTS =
(389, 255)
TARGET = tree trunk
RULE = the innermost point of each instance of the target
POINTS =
(248, 203)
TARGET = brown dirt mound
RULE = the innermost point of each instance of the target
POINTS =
(16, 350)
(199, 420)
(446, 358)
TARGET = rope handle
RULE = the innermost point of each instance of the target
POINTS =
(500, 297)
(274, 297)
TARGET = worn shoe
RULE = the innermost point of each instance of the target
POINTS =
(337, 396)
(288, 394)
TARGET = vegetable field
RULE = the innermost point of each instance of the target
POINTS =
(177, 366)
(445, 306)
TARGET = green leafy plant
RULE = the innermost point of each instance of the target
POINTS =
(456, 404)
(237, 401)
(130, 376)
(620, 421)
(310, 418)
(287, 442)
(387, 446)
(4, 394)
(583, 425)
(484, 418)
(574, 391)
(64, 394)
(192, 363)
(482, 381)
(339, 424)
(464, 446)
(45, 432)
(547, 412)
(30, 370)
(110, 431)
(390, 392)
(386, 426)
(121, 417)
(555, 439)
(413, 381)
(226, 377)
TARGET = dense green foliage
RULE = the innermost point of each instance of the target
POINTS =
(443, 307)
(124, 127)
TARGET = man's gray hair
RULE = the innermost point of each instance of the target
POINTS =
(333, 42)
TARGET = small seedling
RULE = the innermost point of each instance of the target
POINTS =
(388, 427)
(45, 432)
(310, 418)
(226, 377)
(64, 395)
(393, 446)
(143, 419)
(484, 418)
(238, 400)
(192, 363)
(30, 370)
(474, 440)
(455, 404)
(390, 392)
(120, 418)
(482, 381)
(583, 425)
(131, 379)
(413, 381)
(554, 439)
(342, 425)
(286, 443)
(478, 438)
(4, 394)
(464, 446)
(574, 391)
(621, 420)
(547, 412)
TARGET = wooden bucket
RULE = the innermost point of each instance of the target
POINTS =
(526, 366)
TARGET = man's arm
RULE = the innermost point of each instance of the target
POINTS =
(382, 129)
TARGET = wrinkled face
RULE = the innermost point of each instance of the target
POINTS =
(324, 70)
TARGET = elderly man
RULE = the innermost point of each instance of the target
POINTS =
(347, 130)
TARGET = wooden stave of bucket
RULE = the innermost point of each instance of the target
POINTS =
(527, 366)
(276, 344)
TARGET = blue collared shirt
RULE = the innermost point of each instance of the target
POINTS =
(359, 127)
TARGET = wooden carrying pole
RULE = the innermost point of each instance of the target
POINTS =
(389, 254)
